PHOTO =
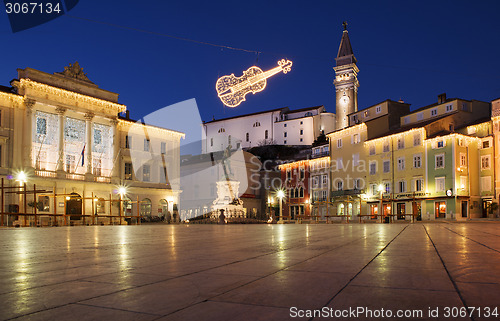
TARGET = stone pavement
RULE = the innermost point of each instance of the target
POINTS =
(248, 272)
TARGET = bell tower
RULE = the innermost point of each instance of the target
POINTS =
(346, 81)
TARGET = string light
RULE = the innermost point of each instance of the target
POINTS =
(398, 135)
(465, 138)
(232, 90)
(70, 95)
(152, 128)
(293, 164)
(347, 131)
(12, 97)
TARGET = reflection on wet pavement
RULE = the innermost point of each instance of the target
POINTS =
(244, 272)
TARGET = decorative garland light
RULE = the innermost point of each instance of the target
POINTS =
(347, 131)
(12, 97)
(30, 84)
(398, 135)
(160, 130)
(467, 139)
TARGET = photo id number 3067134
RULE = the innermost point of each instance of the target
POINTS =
(32, 7)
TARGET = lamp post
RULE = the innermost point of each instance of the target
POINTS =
(280, 194)
(122, 190)
(22, 178)
(381, 211)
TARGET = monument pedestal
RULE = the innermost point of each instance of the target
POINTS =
(227, 200)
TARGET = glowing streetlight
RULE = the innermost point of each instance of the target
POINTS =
(122, 190)
(280, 194)
(21, 177)
(381, 210)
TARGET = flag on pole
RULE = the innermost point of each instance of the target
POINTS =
(83, 154)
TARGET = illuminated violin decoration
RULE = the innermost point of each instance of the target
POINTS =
(232, 90)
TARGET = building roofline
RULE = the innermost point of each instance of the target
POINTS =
(374, 105)
(304, 109)
(149, 125)
(251, 114)
(476, 122)
(285, 110)
(446, 101)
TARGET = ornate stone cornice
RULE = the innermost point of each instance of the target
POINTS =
(60, 110)
(114, 121)
(29, 103)
(89, 116)
(72, 96)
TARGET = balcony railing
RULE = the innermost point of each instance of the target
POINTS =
(43, 173)
(102, 179)
(77, 177)
(347, 192)
(318, 155)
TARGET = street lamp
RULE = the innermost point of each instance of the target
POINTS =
(21, 177)
(280, 194)
(122, 191)
(381, 211)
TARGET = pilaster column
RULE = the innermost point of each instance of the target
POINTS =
(115, 145)
(88, 141)
(62, 121)
(28, 132)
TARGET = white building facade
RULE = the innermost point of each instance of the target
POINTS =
(280, 126)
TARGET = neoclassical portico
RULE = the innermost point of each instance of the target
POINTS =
(65, 134)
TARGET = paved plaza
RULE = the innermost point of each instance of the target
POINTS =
(248, 272)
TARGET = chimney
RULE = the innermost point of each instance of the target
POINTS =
(441, 98)
(401, 101)
(127, 114)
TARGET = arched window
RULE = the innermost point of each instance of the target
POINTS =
(146, 207)
(162, 207)
(301, 192)
(229, 139)
(266, 134)
(340, 209)
(100, 206)
(248, 137)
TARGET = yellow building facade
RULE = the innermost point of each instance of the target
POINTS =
(62, 134)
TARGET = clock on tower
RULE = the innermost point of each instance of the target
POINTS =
(346, 81)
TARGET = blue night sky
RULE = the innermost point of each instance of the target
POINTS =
(413, 52)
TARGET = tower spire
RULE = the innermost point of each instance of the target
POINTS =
(345, 55)
(346, 81)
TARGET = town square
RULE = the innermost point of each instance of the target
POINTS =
(193, 160)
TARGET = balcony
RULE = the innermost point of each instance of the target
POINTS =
(43, 173)
(347, 192)
(322, 154)
(77, 177)
(102, 179)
